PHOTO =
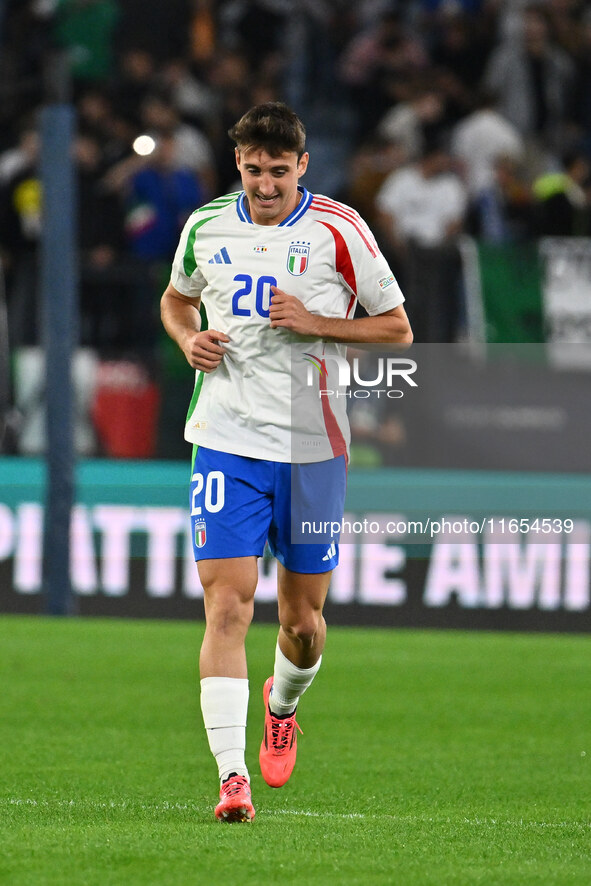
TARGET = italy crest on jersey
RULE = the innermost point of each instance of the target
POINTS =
(199, 534)
(298, 257)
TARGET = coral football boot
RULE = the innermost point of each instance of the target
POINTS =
(235, 800)
(279, 745)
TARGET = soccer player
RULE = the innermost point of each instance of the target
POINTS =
(279, 271)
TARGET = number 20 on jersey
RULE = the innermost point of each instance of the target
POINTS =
(253, 295)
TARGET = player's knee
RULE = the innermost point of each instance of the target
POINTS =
(228, 612)
(304, 629)
(229, 622)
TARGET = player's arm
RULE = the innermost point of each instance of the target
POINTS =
(182, 321)
(390, 327)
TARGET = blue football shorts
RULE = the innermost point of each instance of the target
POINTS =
(239, 503)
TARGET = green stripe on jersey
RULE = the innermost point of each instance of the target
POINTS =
(204, 320)
(196, 392)
(220, 202)
(189, 263)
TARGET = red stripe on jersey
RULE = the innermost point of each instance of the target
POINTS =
(344, 263)
(350, 306)
(334, 433)
(327, 205)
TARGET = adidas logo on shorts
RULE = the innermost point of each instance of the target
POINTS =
(332, 552)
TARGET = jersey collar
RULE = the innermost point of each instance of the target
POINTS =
(299, 211)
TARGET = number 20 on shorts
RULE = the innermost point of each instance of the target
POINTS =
(213, 485)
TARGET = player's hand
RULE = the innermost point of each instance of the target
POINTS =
(203, 351)
(288, 312)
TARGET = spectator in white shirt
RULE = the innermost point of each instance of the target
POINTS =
(423, 202)
(479, 139)
(421, 210)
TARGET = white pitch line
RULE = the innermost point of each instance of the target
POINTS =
(166, 806)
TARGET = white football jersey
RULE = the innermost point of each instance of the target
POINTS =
(270, 396)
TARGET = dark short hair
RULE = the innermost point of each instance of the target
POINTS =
(272, 127)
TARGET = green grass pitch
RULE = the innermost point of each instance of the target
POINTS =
(427, 758)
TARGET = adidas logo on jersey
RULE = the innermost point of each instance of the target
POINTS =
(332, 552)
(221, 258)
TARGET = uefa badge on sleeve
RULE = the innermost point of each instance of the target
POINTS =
(200, 534)
(298, 257)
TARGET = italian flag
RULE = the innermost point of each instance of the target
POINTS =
(531, 293)
(297, 264)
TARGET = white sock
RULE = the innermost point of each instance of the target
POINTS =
(289, 683)
(224, 704)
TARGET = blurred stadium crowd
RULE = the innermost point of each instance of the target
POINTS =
(433, 118)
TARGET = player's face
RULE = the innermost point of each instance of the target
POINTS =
(270, 183)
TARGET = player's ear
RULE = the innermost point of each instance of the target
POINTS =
(237, 156)
(303, 163)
